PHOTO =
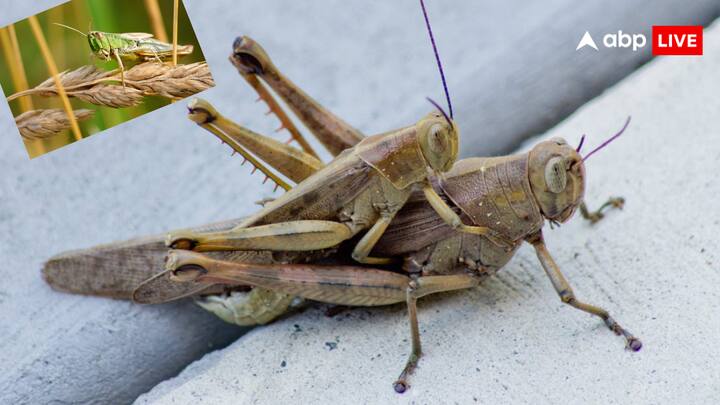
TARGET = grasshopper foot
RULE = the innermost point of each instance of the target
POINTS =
(632, 343)
(617, 202)
(595, 216)
(401, 385)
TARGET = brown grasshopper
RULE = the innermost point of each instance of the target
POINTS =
(419, 247)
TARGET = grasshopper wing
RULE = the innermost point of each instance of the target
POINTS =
(151, 48)
(159, 289)
(135, 36)
(116, 270)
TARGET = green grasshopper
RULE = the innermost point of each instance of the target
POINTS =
(130, 45)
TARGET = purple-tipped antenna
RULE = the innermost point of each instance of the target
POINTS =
(582, 141)
(437, 58)
(612, 138)
(433, 102)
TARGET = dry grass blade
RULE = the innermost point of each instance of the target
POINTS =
(170, 81)
(176, 8)
(43, 124)
(11, 51)
(52, 68)
(156, 19)
(109, 95)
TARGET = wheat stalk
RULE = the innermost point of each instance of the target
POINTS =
(170, 81)
(84, 76)
(88, 83)
(43, 124)
(109, 95)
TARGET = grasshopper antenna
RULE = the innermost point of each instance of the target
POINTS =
(612, 138)
(582, 141)
(71, 28)
(433, 102)
(437, 58)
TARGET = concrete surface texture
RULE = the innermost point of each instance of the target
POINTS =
(371, 63)
(653, 265)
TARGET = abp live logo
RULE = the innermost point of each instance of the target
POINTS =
(677, 40)
(666, 40)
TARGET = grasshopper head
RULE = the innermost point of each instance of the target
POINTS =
(249, 57)
(557, 178)
(97, 42)
(438, 139)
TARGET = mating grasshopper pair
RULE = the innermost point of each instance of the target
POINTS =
(372, 227)
(130, 45)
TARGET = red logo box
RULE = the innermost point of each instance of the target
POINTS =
(677, 40)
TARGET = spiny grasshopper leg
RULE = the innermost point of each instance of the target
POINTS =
(341, 285)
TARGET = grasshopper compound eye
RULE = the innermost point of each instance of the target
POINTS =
(438, 139)
(555, 176)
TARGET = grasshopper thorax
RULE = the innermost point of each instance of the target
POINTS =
(437, 136)
(557, 178)
(403, 156)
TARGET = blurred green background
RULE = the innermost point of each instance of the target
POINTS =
(71, 51)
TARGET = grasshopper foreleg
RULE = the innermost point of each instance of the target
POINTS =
(567, 295)
(362, 250)
(454, 220)
(595, 216)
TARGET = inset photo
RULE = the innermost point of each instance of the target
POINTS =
(88, 65)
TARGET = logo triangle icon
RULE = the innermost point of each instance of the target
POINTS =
(586, 40)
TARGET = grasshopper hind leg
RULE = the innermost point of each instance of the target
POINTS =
(253, 62)
(418, 288)
(256, 307)
(341, 285)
